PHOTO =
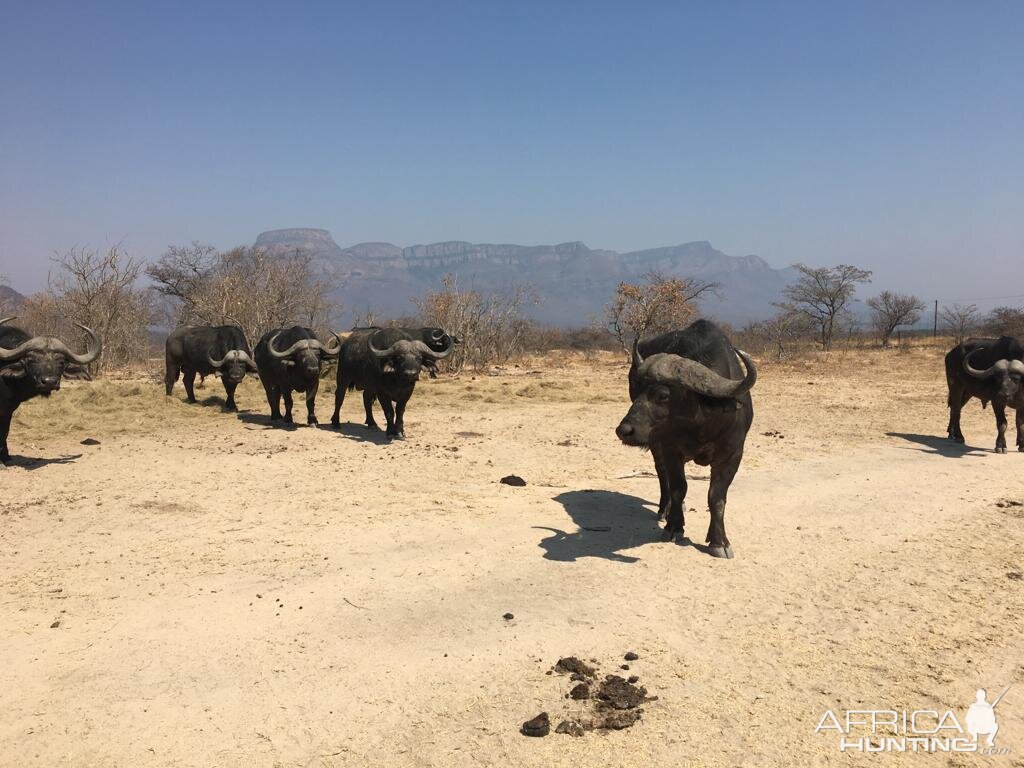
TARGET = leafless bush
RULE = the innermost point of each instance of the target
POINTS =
(959, 320)
(889, 310)
(1005, 321)
(491, 325)
(657, 305)
(823, 295)
(98, 290)
(778, 335)
(245, 286)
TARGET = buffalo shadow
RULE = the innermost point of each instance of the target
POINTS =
(608, 521)
(939, 446)
(38, 462)
(263, 420)
(360, 433)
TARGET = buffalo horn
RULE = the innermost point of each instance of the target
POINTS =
(997, 367)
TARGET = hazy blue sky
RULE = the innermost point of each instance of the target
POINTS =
(890, 135)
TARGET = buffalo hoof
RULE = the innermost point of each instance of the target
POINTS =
(192, 400)
(312, 421)
(720, 551)
(957, 439)
(374, 428)
(336, 423)
(670, 534)
(288, 419)
(1000, 449)
(230, 408)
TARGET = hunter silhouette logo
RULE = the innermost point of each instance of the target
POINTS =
(917, 730)
(981, 716)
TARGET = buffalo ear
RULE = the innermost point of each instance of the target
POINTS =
(77, 372)
(15, 371)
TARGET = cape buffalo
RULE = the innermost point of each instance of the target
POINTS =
(385, 364)
(990, 370)
(31, 366)
(289, 360)
(691, 402)
(438, 339)
(206, 350)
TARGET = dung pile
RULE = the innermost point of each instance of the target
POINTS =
(613, 703)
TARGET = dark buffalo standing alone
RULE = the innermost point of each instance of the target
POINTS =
(33, 366)
(289, 360)
(205, 350)
(691, 402)
(991, 370)
(385, 364)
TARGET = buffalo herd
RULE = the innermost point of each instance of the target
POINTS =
(690, 389)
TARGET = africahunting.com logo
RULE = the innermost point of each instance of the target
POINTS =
(919, 730)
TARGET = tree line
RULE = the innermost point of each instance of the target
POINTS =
(257, 291)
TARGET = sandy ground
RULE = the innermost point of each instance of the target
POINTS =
(233, 594)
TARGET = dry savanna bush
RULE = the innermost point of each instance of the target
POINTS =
(248, 287)
(99, 290)
(657, 305)
(492, 326)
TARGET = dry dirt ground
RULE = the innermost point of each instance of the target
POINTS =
(201, 589)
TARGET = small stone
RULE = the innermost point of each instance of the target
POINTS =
(90, 441)
(624, 666)
(538, 726)
(508, 617)
(631, 656)
(1015, 575)
(515, 480)
(633, 680)
(55, 624)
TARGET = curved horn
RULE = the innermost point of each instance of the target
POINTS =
(93, 351)
(36, 342)
(428, 352)
(638, 359)
(382, 353)
(702, 379)
(7, 319)
(235, 354)
(999, 365)
(335, 350)
(437, 334)
(298, 345)
(1017, 366)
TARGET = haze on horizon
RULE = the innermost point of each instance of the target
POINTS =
(887, 136)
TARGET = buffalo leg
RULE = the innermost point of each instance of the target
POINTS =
(400, 418)
(189, 380)
(1000, 411)
(721, 478)
(339, 399)
(229, 387)
(5, 428)
(1020, 429)
(311, 403)
(957, 400)
(173, 371)
(368, 398)
(675, 522)
(273, 400)
(287, 395)
(389, 413)
(659, 467)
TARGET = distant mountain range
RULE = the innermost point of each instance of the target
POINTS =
(10, 299)
(573, 281)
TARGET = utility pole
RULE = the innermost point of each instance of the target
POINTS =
(935, 324)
